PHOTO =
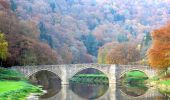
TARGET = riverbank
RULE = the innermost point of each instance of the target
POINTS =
(14, 86)
(161, 82)
(164, 86)
(133, 77)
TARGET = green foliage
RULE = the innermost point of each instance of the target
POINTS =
(28, 57)
(147, 39)
(53, 5)
(163, 86)
(6, 74)
(91, 44)
(135, 74)
(166, 82)
(12, 90)
(13, 5)
(14, 86)
(134, 77)
(122, 38)
(119, 17)
(3, 47)
(44, 36)
(90, 78)
(102, 56)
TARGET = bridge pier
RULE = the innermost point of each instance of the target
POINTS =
(64, 80)
(111, 76)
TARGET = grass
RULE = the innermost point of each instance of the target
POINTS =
(164, 86)
(11, 90)
(165, 82)
(134, 77)
(162, 82)
(14, 86)
(6, 74)
(135, 74)
(6, 86)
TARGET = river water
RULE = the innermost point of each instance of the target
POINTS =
(79, 91)
(100, 92)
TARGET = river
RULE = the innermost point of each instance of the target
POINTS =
(80, 91)
(100, 92)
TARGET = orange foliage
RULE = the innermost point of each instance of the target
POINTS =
(159, 53)
(104, 50)
(124, 53)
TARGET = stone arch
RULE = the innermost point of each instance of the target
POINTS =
(123, 94)
(123, 68)
(36, 71)
(49, 81)
(124, 72)
(84, 68)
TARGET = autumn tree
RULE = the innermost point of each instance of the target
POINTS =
(104, 50)
(123, 53)
(4, 4)
(66, 54)
(159, 52)
(3, 48)
(24, 48)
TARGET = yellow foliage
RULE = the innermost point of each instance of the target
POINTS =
(3, 47)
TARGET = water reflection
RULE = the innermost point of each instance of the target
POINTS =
(134, 90)
(89, 91)
(50, 82)
(77, 91)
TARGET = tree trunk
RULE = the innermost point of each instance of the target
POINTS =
(1, 64)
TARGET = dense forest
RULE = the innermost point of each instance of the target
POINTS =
(79, 31)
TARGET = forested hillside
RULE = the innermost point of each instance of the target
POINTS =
(73, 31)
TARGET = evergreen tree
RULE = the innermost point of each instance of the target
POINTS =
(44, 36)
(91, 44)
(122, 38)
(13, 5)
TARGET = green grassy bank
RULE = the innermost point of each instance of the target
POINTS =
(14, 86)
(164, 87)
(90, 78)
(134, 77)
(162, 82)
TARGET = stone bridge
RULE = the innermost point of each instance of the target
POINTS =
(65, 72)
(113, 72)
